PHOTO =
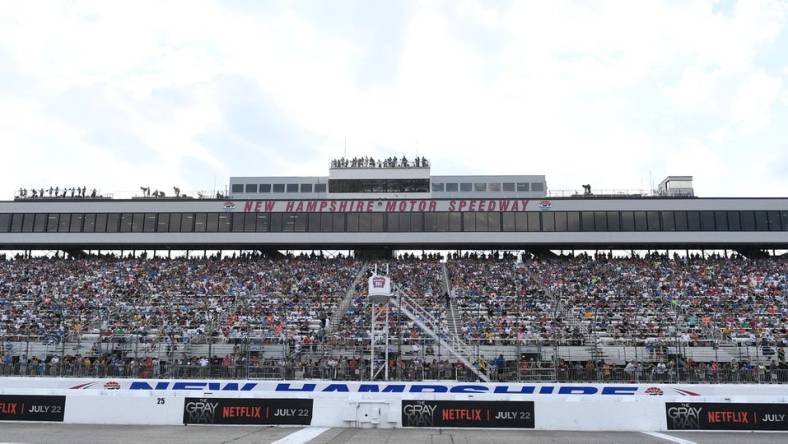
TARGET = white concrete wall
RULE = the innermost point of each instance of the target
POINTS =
(631, 409)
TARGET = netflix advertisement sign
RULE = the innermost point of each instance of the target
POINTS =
(726, 416)
(482, 414)
(247, 411)
(32, 408)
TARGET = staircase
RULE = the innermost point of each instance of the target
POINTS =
(432, 327)
(451, 317)
(451, 312)
(341, 309)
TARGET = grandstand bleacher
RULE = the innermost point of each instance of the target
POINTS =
(530, 318)
(696, 292)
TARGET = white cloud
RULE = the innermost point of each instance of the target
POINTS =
(600, 92)
(751, 107)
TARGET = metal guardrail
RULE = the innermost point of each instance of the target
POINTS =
(508, 373)
(525, 360)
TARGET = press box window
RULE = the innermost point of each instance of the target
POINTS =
(451, 187)
(465, 186)
(437, 187)
(508, 186)
(548, 221)
(163, 224)
(265, 187)
(494, 187)
(292, 188)
(27, 223)
(224, 222)
(306, 187)
(188, 222)
(5, 219)
(480, 187)
(537, 186)
(212, 223)
(40, 224)
(523, 186)
(16, 222)
(175, 222)
(251, 188)
(320, 188)
(238, 188)
(89, 223)
(149, 223)
(279, 188)
(774, 220)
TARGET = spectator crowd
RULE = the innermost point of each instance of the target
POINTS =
(635, 300)
(240, 297)
(313, 305)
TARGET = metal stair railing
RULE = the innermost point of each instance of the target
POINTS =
(452, 313)
(341, 309)
(450, 342)
(453, 321)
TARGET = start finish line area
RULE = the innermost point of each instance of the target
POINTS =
(409, 405)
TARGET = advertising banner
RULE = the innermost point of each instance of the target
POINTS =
(379, 205)
(32, 408)
(726, 416)
(490, 414)
(247, 411)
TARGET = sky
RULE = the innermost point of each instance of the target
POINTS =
(618, 94)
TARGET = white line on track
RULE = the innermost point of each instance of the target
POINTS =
(302, 436)
(669, 438)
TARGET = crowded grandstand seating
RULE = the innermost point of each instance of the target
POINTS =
(420, 278)
(168, 308)
(183, 299)
(634, 300)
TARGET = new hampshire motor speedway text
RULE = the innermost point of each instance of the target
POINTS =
(393, 388)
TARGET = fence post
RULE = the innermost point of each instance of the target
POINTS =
(62, 360)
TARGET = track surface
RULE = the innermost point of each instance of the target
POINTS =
(61, 433)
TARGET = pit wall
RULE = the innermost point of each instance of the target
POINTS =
(591, 407)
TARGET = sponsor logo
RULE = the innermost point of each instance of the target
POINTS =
(418, 414)
(684, 392)
(200, 411)
(8, 408)
(726, 416)
(378, 282)
(498, 414)
(247, 411)
(112, 385)
(229, 205)
(683, 417)
(654, 391)
(545, 205)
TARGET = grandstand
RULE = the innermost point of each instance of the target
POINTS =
(513, 282)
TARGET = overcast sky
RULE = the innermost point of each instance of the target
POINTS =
(616, 94)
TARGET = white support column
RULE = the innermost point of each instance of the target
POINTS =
(379, 299)
(372, 343)
(386, 344)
